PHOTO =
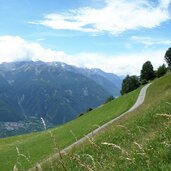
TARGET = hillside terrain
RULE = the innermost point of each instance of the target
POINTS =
(139, 141)
(26, 150)
(54, 91)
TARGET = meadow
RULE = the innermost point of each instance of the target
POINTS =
(139, 141)
(24, 151)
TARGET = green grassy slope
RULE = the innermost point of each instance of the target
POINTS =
(26, 150)
(139, 141)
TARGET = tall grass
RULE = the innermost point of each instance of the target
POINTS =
(139, 141)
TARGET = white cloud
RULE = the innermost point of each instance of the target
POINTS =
(123, 64)
(14, 48)
(115, 17)
(150, 41)
(17, 49)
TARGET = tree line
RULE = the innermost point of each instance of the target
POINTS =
(147, 74)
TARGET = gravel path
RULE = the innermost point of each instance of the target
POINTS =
(139, 101)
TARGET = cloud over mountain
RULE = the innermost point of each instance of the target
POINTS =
(15, 48)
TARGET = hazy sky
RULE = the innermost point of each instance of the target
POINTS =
(115, 35)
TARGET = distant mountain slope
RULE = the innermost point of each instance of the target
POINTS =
(110, 82)
(9, 108)
(55, 91)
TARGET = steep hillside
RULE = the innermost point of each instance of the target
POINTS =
(38, 146)
(139, 141)
(9, 109)
(55, 91)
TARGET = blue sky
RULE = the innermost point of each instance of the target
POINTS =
(115, 35)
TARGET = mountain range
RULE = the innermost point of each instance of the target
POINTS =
(54, 91)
